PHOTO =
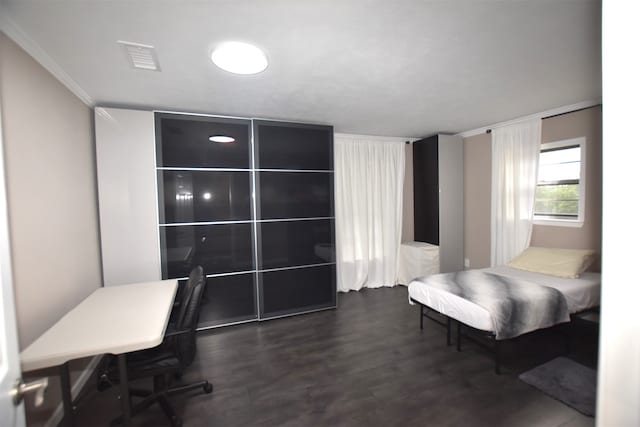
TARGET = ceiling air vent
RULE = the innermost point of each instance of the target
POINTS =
(141, 55)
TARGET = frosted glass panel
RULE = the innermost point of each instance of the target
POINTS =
(184, 141)
(295, 194)
(204, 196)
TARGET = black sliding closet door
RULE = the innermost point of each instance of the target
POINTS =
(296, 244)
(266, 255)
(206, 212)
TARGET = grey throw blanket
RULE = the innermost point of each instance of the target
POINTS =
(516, 306)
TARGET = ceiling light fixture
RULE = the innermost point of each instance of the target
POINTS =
(239, 58)
(222, 139)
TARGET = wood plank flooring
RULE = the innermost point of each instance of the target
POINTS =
(365, 364)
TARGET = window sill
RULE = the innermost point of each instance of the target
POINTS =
(559, 222)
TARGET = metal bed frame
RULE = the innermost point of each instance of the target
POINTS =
(493, 345)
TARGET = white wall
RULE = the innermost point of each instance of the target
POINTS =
(619, 366)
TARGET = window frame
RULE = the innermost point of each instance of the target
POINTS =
(568, 222)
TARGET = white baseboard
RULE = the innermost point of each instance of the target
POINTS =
(77, 386)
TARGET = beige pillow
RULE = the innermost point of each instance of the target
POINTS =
(569, 263)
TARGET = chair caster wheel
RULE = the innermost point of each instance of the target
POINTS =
(208, 388)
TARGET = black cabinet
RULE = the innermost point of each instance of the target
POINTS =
(257, 213)
(426, 197)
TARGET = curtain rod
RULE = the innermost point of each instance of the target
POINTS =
(562, 114)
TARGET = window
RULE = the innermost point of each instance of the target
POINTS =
(560, 188)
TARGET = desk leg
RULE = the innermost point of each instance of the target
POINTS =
(67, 402)
(124, 390)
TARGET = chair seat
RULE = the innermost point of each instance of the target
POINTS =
(160, 363)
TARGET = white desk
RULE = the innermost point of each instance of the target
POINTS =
(115, 320)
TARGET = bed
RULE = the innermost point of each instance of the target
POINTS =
(440, 293)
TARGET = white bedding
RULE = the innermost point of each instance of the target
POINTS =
(581, 293)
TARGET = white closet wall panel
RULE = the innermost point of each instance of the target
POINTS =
(125, 152)
(450, 169)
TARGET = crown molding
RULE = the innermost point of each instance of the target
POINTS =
(541, 115)
(20, 37)
(374, 137)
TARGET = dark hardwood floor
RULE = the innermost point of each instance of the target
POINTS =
(365, 364)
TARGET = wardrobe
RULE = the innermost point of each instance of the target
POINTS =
(254, 208)
(438, 197)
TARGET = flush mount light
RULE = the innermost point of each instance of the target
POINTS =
(239, 58)
(222, 139)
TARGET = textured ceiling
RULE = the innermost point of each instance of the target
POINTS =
(381, 67)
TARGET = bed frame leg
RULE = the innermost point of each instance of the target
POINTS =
(421, 317)
(458, 337)
(448, 331)
(496, 355)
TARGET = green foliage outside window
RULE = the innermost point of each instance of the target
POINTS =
(557, 200)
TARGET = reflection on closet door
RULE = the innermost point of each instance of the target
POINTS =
(184, 141)
(298, 290)
(293, 146)
(218, 248)
(229, 299)
(204, 196)
(296, 243)
(295, 194)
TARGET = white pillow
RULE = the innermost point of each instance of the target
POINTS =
(569, 263)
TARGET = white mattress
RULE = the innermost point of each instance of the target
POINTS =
(581, 293)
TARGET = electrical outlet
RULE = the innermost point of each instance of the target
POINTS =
(467, 264)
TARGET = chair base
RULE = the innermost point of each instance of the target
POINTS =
(206, 387)
(160, 394)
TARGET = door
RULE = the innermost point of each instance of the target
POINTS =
(12, 415)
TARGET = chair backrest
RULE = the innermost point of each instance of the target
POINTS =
(186, 343)
(196, 275)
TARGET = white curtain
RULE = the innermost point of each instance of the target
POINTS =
(369, 177)
(514, 172)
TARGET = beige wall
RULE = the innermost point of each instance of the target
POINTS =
(477, 200)
(587, 123)
(407, 196)
(52, 203)
(477, 197)
(53, 220)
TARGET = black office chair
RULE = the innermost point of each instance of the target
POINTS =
(167, 361)
(183, 295)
